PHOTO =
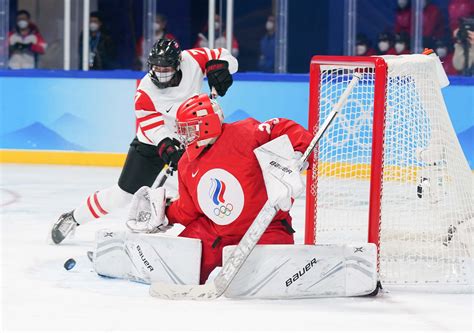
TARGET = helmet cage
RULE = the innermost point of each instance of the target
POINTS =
(188, 131)
(195, 131)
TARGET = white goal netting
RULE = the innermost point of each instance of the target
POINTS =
(427, 205)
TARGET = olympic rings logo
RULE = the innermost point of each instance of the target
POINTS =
(223, 211)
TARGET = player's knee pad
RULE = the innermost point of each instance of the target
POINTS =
(147, 258)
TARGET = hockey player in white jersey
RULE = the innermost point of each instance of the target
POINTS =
(173, 76)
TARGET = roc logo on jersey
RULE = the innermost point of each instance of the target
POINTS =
(216, 193)
(220, 196)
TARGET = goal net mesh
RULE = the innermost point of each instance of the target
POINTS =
(427, 186)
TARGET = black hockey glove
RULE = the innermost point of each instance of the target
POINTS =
(170, 151)
(218, 76)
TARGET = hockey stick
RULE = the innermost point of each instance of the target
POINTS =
(213, 94)
(168, 172)
(232, 266)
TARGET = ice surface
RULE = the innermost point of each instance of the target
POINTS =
(38, 293)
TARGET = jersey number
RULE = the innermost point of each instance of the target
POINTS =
(268, 125)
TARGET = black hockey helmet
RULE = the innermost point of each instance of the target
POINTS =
(165, 53)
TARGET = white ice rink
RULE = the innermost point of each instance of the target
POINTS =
(39, 294)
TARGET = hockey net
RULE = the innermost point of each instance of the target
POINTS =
(390, 169)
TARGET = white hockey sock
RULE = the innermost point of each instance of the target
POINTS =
(101, 203)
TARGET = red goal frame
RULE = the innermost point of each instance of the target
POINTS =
(376, 173)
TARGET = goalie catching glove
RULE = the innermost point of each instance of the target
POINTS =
(281, 171)
(147, 212)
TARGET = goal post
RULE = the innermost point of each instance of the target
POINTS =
(390, 169)
(379, 66)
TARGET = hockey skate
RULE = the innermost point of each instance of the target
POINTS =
(65, 225)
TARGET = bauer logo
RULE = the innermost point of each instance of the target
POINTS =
(301, 272)
(144, 260)
(281, 167)
(220, 196)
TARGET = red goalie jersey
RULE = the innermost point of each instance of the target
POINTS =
(222, 190)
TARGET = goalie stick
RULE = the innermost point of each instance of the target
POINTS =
(216, 288)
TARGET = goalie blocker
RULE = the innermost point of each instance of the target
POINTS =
(271, 271)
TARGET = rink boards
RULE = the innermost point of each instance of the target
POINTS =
(95, 114)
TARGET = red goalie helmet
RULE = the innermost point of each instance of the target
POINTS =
(199, 122)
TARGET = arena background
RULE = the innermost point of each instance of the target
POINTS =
(49, 109)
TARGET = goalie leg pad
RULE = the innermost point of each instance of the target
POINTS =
(147, 258)
(305, 271)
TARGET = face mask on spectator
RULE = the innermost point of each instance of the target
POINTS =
(442, 52)
(157, 26)
(269, 25)
(94, 26)
(399, 47)
(383, 46)
(361, 49)
(22, 24)
(402, 3)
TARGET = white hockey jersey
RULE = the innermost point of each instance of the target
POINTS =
(156, 108)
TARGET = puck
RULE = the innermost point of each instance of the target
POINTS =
(69, 264)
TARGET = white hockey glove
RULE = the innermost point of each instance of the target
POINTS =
(281, 171)
(147, 212)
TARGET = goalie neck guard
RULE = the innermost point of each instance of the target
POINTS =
(199, 122)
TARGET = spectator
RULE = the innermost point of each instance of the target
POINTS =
(463, 57)
(384, 44)
(402, 43)
(160, 29)
(458, 9)
(446, 56)
(101, 46)
(433, 23)
(363, 46)
(403, 16)
(267, 47)
(220, 37)
(25, 43)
